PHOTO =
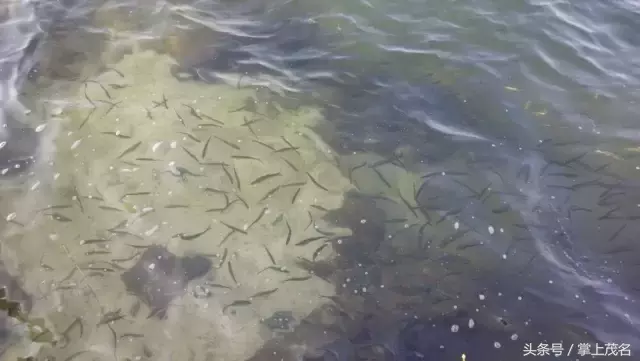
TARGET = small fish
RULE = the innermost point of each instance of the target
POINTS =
(245, 157)
(93, 241)
(62, 206)
(189, 237)
(130, 149)
(110, 317)
(96, 253)
(205, 148)
(316, 253)
(269, 194)
(162, 103)
(193, 156)
(316, 182)
(230, 269)
(617, 233)
(263, 293)
(224, 257)
(190, 136)
(288, 233)
(281, 269)
(234, 146)
(233, 228)
(265, 177)
(273, 261)
(263, 144)
(297, 279)
(173, 206)
(217, 285)
(235, 174)
(295, 169)
(286, 149)
(59, 217)
(382, 178)
(295, 195)
(146, 159)
(320, 208)
(131, 194)
(109, 208)
(117, 134)
(262, 213)
(309, 240)
(193, 111)
(236, 303)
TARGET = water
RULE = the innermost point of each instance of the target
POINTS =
(367, 180)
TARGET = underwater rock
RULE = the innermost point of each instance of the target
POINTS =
(15, 303)
(160, 276)
(280, 321)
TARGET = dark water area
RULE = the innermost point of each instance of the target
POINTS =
(492, 146)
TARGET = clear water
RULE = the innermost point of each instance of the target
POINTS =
(349, 180)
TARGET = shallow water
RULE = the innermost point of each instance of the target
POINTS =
(370, 180)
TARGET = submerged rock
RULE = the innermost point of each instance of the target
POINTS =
(14, 303)
(160, 276)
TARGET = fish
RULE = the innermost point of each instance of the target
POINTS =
(273, 261)
(295, 195)
(93, 241)
(309, 240)
(316, 182)
(230, 269)
(234, 146)
(269, 194)
(297, 279)
(193, 156)
(236, 303)
(277, 268)
(190, 136)
(233, 228)
(265, 177)
(205, 148)
(130, 149)
(288, 233)
(262, 213)
(192, 236)
(263, 293)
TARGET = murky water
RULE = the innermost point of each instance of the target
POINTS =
(300, 180)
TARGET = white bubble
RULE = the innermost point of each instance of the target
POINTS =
(471, 323)
(363, 221)
(156, 146)
(455, 328)
(481, 297)
(497, 344)
(40, 128)
(514, 337)
(174, 144)
(456, 225)
(11, 217)
(2, 144)
(152, 266)
(491, 230)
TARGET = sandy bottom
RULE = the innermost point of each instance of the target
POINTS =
(123, 159)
